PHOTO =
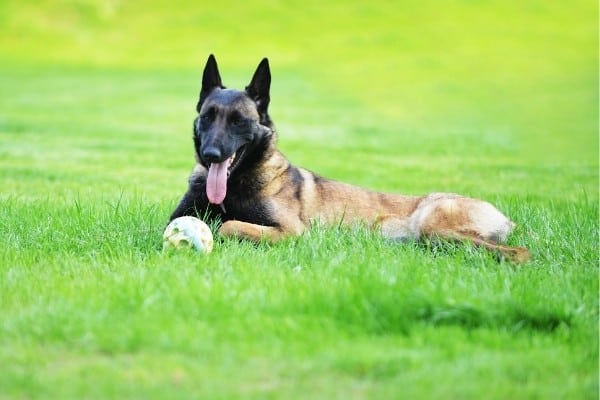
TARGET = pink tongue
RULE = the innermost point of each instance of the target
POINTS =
(216, 183)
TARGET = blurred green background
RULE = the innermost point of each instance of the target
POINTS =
(513, 80)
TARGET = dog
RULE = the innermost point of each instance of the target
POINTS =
(241, 178)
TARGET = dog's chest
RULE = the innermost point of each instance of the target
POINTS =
(248, 209)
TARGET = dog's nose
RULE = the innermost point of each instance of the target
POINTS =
(211, 154)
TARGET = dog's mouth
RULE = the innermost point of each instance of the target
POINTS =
(218, 173)
(235, 159)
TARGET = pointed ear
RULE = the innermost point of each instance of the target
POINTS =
(211, 79)
(258, 89)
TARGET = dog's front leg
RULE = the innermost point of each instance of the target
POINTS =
(192, 203)
(253, 232)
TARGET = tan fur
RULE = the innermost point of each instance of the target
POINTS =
(397, 217)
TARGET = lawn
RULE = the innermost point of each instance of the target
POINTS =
(494, 99)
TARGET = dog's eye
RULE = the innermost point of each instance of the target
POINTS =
(205, 120)
(236, 119)
(208, 116)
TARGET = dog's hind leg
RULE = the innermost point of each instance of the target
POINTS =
(514, 254)
(458, 218)
(394, 227)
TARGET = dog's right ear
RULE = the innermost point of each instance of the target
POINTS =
(211, 79)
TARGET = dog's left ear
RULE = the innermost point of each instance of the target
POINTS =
(258, 89)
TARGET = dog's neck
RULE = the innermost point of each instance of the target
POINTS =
(258, 154)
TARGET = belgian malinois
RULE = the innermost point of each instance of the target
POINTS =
(241, 178)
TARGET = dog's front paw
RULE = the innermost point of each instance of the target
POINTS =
(242, 230)
(253, 232)
(230, 228)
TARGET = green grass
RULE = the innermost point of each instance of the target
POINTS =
(491, 99)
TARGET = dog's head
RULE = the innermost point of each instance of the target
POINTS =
(230, 124)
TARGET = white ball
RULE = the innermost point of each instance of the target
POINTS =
(188, 232)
